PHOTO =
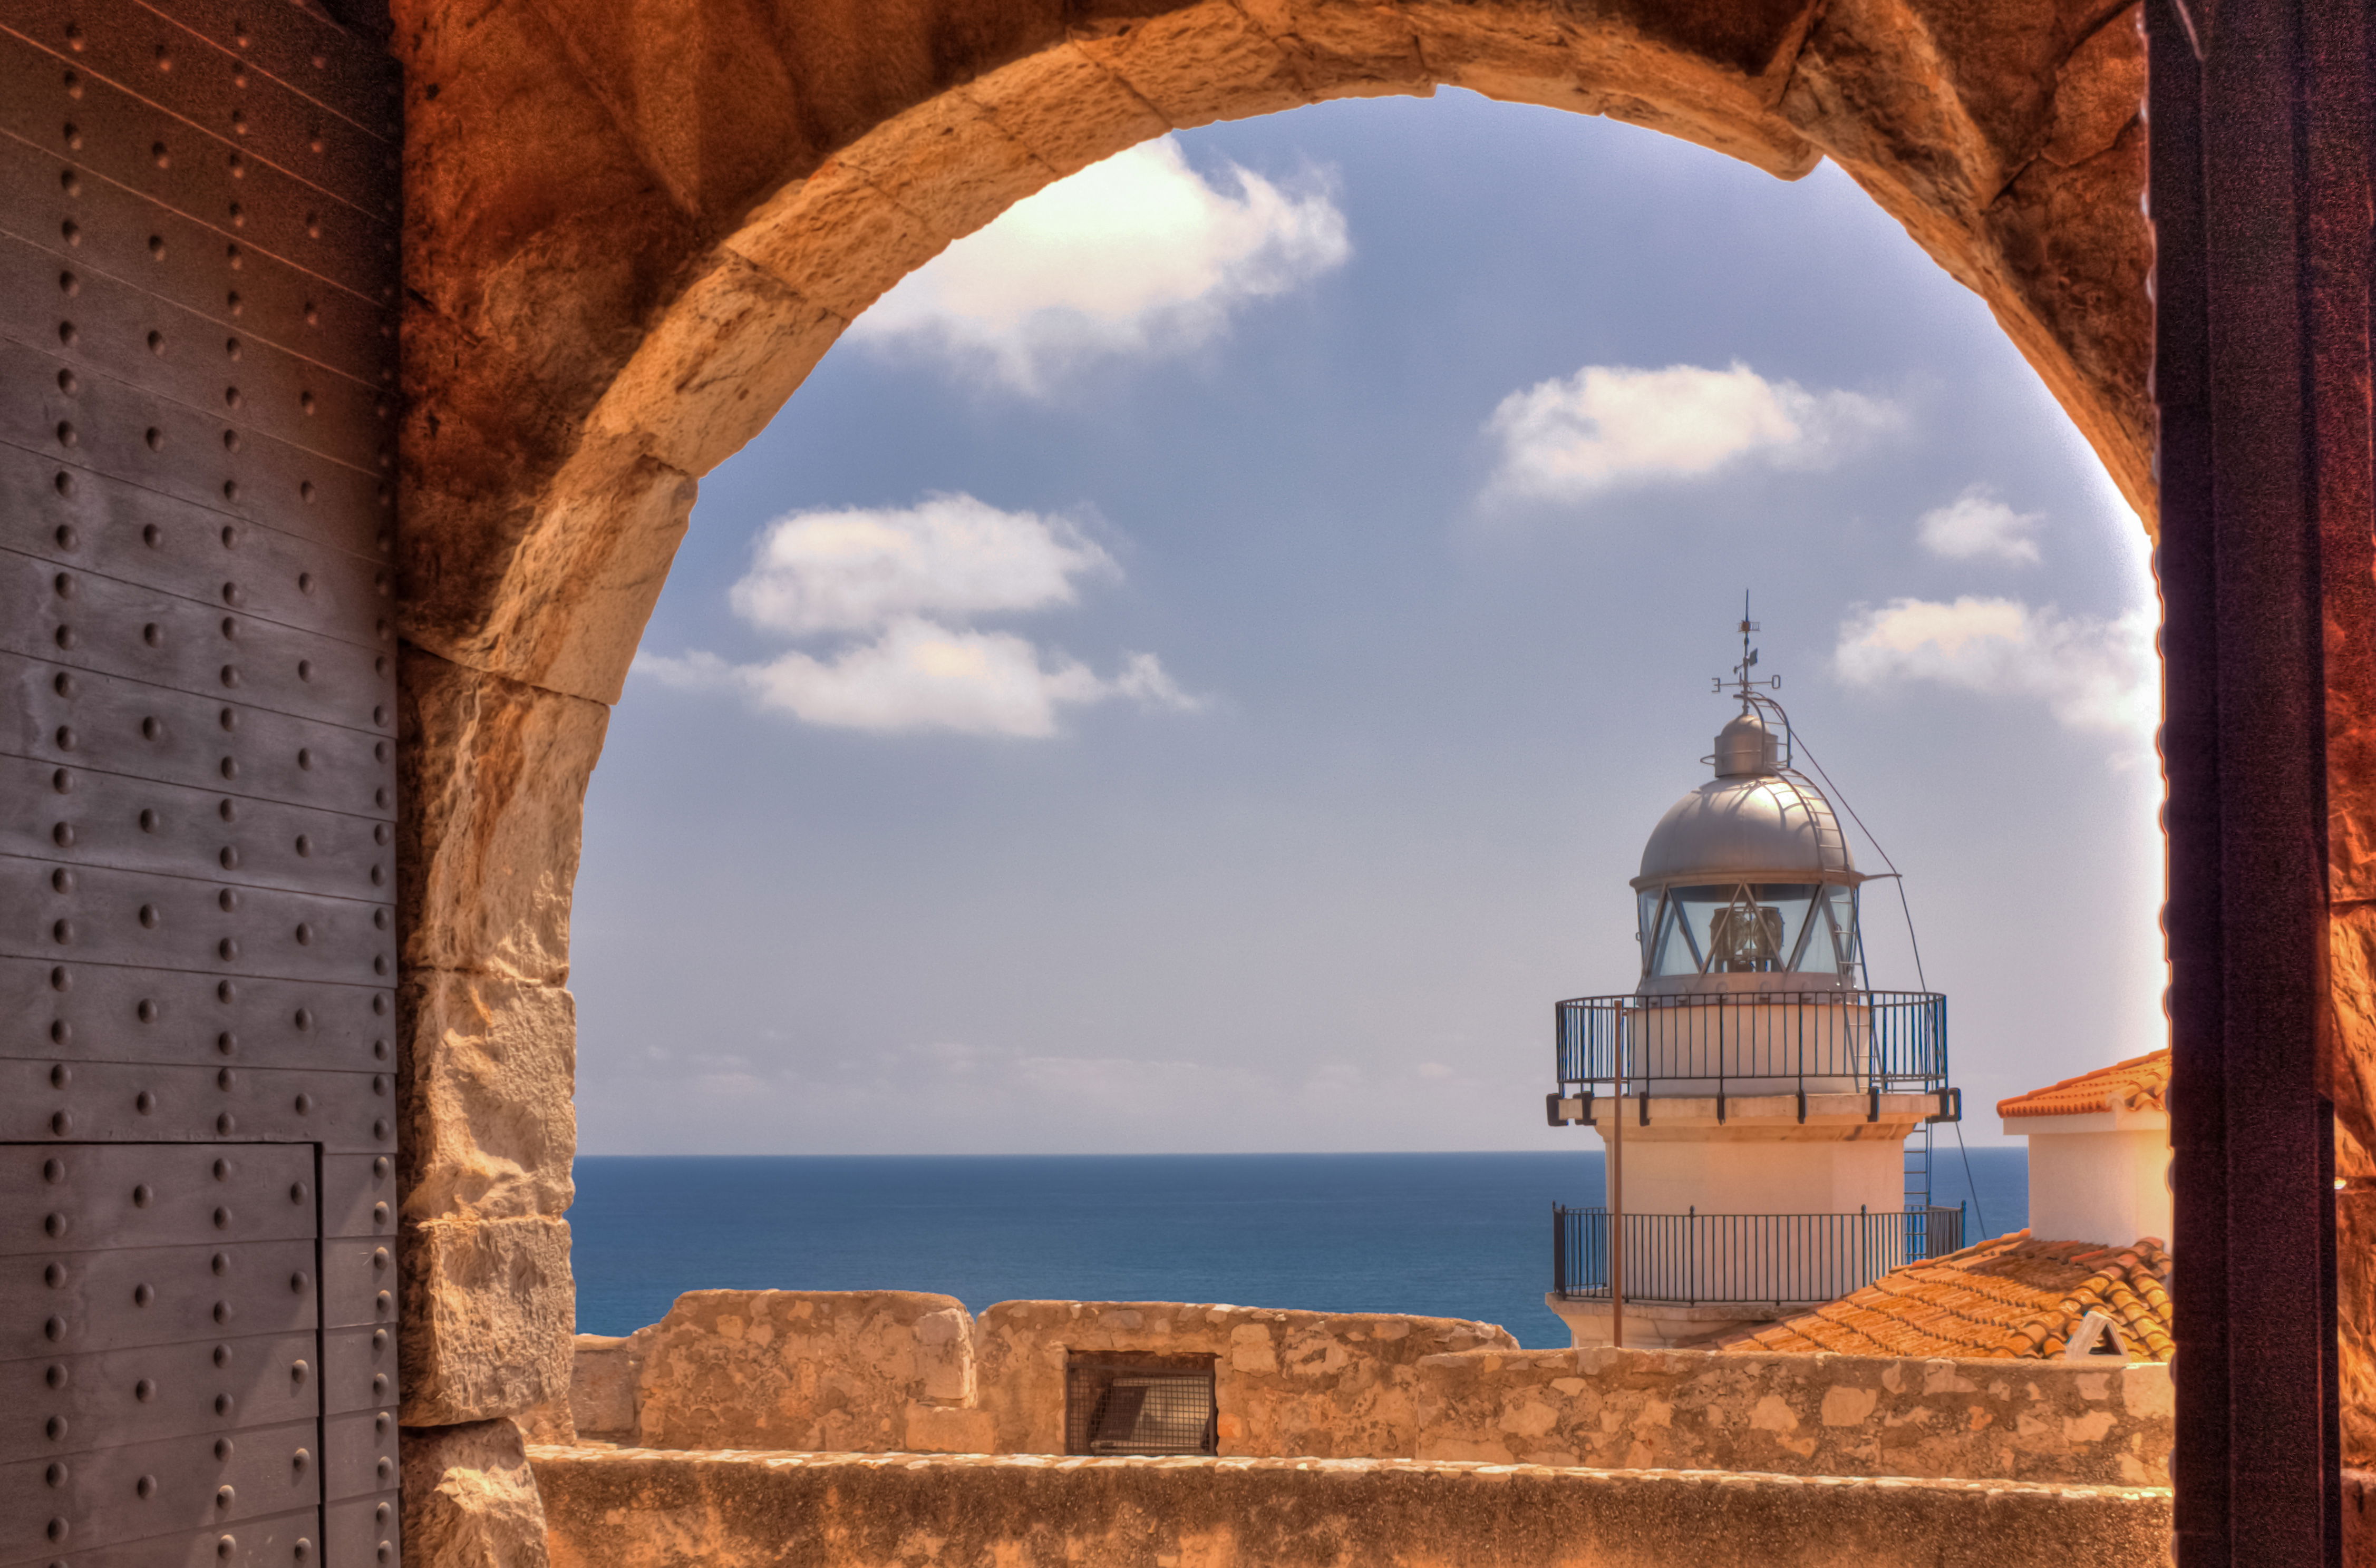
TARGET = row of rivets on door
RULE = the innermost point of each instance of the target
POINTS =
(234, 350)
(145, 1488)
(235, 161)
(148, 1010)
(69, 538)
(69, 435)
(65, 931)
(77, 40)
(58, 1275)
(234, 303)
(152, 635)
(145, 1103)
(234, 260)
(69, 485)
(163, 57)
(65, 834)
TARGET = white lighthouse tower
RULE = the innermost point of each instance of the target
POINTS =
(1754, 1095)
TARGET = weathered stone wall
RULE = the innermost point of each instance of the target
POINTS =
(1325, 1385)
(469, 1498)
(2355, 1258)
(602, 1389)
(879, 1372)
(818, 1371)
(613, 1508)
(494, 773)
(876, 1371)
(1800, 1415)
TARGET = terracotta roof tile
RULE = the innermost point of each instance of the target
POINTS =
(2141, 1083)
(2010, 1295)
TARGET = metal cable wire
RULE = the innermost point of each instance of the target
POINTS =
(1897, 876)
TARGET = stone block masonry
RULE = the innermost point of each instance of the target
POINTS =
(858, 1371)
(628, 1508)
(1801, 1415)
(881, 1372)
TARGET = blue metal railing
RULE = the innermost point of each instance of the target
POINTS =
(1763, 1258)
(1746, 1042)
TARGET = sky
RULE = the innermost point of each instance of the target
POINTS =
(1194, 667)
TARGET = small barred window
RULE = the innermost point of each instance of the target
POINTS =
(1131, 1404)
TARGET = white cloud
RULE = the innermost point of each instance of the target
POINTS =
(2095, 675)
(892, 581)
(1138, 254)
(918, 675)
(1612, 425)
(1976, 524)
(859, 569)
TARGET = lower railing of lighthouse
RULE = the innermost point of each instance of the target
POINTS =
(1766, 1258)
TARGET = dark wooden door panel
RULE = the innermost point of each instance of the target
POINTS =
(197, 372)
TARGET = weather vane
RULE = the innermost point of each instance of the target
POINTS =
(1741, 681)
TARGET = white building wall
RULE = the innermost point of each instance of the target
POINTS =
(2097, 1178)
(1782, 1175)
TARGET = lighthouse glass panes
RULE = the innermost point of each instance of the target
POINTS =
(1749, 928)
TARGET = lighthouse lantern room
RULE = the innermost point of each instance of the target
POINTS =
(1754, 1096)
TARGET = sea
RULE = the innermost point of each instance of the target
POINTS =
(1448, 1235)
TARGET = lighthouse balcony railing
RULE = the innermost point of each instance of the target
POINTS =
(1755, 1042)
(1762, 1259)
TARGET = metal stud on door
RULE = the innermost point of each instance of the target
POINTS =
(198, 945)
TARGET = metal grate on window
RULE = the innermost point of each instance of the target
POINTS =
(1124, 1403)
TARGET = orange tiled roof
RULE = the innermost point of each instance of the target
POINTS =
(2141, 1083)
(2010, 1295)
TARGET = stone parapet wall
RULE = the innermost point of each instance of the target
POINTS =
(630, 1508)
(877, 1371)
(821, 1370)
(1801, 1415)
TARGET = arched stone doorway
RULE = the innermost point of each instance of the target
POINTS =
(630, 238)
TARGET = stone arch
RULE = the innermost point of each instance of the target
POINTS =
(631, 235)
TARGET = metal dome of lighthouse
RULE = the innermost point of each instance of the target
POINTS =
(1754, 819)
(1748, 882)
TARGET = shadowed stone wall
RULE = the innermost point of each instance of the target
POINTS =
(638, 1509)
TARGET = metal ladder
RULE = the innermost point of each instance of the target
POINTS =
(1917, 1193)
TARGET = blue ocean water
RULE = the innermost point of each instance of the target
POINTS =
(1454, 1235)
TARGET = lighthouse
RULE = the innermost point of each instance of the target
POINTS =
(1763, 1111)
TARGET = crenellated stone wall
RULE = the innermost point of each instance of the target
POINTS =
(883, 1371)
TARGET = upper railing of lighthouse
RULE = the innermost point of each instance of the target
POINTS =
(1829, 1042)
